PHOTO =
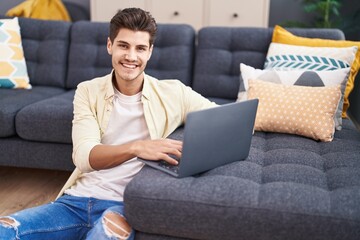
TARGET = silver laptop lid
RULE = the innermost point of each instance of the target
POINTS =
(217, 136)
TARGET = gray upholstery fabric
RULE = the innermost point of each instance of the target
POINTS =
(88, 57)
(16, 152)
(221, 50)
(354, 98)
(290, 187)
(46, 45)
(48, 120)
(12, 100)
(146, 236)
(172, 55)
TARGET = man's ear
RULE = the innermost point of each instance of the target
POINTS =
(108, 46)
(151, 49)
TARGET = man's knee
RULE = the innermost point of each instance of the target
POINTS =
(8, 228)
(115, 225)
(8, 222)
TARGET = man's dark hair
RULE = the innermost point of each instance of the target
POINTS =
(134, 19)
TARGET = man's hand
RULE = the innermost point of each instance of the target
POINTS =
(159, 149)
(108, 156)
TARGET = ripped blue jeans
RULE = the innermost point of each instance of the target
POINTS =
(68, 218)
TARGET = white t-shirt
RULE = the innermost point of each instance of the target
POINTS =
(127, 123)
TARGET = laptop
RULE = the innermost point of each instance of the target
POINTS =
(212, 138)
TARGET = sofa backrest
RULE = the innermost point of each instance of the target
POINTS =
(173, 53)
(220, 51)
(45, 45)
(171, 58)
(88, 57)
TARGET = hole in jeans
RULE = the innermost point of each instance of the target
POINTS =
(9, 222)
(116, 225)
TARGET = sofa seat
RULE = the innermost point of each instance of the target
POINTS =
(57, 110)
(289, 187)
(13, 100)
(17, 152)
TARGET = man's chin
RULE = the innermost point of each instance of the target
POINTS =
(130, 76)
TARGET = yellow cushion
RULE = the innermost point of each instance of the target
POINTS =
(305, 111)
(41, 9)
(13, 71)
(281, 35)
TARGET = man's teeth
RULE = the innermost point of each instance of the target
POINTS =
(129, 65)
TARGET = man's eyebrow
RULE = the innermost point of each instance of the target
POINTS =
(144, 46)
(123, 42)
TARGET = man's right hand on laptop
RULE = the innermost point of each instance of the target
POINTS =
(159, 149)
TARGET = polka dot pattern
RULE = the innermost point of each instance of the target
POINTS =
(306, 111)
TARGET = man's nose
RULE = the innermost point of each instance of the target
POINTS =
(131, 55)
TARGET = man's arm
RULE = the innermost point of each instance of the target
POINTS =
(108, 156)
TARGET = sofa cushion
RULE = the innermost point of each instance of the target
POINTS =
(298, 77)
(173, 53)
(301, 110)
(88, 57)
(171, 58)
(49, 120)
(281, 35)
(16, 152)
(221, 50)
(290, 57)
(46, 45)
(13, 71)
(13, 100)
(290, 187)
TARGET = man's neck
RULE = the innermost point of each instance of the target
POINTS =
(128, 88)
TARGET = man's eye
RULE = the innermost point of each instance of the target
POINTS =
(123, 46)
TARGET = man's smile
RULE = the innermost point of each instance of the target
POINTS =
(128, 65)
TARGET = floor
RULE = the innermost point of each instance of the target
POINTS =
(23, 188)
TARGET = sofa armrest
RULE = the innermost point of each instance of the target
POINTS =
(354, 109)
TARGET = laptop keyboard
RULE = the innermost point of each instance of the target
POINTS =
(168, 166)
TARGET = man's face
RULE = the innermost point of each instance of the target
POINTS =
(130, 53)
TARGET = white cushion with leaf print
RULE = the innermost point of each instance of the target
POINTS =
(289, 57)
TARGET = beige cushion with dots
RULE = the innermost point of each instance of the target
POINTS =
(306, 111)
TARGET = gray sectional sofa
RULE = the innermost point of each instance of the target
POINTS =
(290, 187)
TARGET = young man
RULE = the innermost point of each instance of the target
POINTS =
(117, 118)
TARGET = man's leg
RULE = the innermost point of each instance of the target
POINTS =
(112, 225)
(56, 220)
